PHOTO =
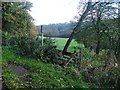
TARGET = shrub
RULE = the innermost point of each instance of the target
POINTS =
(30, 46)
(23, 45)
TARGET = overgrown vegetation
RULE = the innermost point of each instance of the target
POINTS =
(43, 75)
(30, 46)
(101, 29)
(87, 71)
(86, 67)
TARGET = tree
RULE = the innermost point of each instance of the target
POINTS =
(76, 29)
(16, 21)
(15, 17)
(106, 26)
(100, 27)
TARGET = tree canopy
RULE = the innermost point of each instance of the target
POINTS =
(15, 17)
(100, 29)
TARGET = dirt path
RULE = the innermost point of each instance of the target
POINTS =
(20, 71)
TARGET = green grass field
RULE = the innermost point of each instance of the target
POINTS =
(60, 43)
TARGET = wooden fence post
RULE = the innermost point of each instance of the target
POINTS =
(42, 42)
(42, 35)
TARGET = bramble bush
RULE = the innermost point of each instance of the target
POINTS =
(102, 69)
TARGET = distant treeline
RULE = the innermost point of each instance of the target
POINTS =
(57, 30)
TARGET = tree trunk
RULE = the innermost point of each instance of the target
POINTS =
(98, 30)
(76, 29)
(68, 43)
(98, 47)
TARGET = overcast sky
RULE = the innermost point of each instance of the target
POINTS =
(53, 11)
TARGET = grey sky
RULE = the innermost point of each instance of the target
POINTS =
(53, 11)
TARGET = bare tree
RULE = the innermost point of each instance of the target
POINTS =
(89, 7)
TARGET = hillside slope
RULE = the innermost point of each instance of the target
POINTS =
(42, 75)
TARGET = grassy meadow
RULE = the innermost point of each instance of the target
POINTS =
(60, 43)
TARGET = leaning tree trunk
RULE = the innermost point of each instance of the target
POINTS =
(76, 29)
(68, 43)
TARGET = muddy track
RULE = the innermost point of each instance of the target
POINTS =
(19, 70)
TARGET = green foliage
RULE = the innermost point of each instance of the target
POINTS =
(101, 69)
(16, 21)
(30, 46)
(97, 70)
(15, 17)
(43, 75)
(101, 28)
(24, 45)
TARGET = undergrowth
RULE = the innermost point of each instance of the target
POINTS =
(43, 75)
